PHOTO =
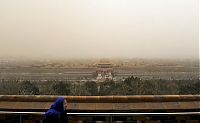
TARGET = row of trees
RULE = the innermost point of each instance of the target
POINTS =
(130, 86)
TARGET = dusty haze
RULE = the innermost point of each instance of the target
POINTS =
(99, 28)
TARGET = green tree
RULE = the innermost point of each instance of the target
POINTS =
(91, 88)
(106, 88)
(61, 88)
(28, 88)
(189, 88)
(9, 87)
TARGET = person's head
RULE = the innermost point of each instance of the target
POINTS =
(60, 104)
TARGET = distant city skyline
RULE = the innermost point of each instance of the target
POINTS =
(99, 29)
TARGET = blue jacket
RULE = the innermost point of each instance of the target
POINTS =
(57, 112)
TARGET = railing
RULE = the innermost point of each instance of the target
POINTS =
(104, 109)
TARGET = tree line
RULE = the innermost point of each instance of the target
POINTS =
(130, 86)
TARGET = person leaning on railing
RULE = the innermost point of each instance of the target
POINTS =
(58, 112)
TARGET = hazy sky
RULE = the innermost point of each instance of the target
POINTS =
(99, 28)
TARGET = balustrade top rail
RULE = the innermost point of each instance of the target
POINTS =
(102, 99)
(137, 103)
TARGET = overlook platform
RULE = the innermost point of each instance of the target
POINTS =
(138, 108)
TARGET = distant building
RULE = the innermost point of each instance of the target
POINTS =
(104, 71)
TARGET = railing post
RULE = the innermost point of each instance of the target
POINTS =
(111, 119)
(20, 118)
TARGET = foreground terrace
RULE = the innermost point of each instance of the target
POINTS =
(104, 109)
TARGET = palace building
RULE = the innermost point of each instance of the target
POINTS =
(104, 71)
